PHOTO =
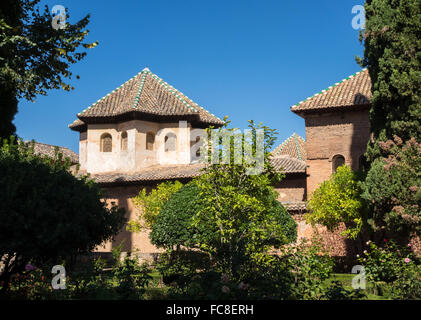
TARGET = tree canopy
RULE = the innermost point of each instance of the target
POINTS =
(47, 213)
(34, 56)
(392, 40)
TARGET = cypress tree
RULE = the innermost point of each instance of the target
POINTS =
(392, 40)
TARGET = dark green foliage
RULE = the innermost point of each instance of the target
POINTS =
(173, 223)
(9, 107)
(181, 265)
(46, 212)
(132, 278)
(392, 54)
(408, 284)
(90, 280)
(336, 291)
(34, 57)
(393, 270)
(386, 263)
(392, 188)
(283, 218)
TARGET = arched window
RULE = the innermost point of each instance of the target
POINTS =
(106, 143)
(150, 140)
(170, 142)
(124, 141)
(337, 161)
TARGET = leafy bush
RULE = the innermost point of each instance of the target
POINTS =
(408, 284)
(338, 200)
(173, 225)
(393, 188)
(131, 278)
(336, 291)
(150, 204)
(43, 206)
(310, 267)
(385, 264)
(126, 280)
(284, 219)
(180, 266)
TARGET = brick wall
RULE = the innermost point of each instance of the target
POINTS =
(292, 188)
(330, 134)
(133, 242)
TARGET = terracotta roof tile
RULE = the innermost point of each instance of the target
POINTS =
(294, 146)
(352, 91)
(288, 164)
(153, 173)
(295, 206)
(145, 93)
(184, 171)
(49, 151)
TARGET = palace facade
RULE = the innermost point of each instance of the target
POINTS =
(132, 139)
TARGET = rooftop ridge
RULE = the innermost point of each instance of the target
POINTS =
(282, 145)
(291, 147)
(139, 91)
(172, 90)
(99, 100)
(296, 145)
(136, 95)
(329, 88)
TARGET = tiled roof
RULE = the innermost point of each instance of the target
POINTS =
(294, 146)
(352, 91)
(49, 151)
(153, 173)
(184, 171)
(288, 164)
(145, 93)
(295, 206)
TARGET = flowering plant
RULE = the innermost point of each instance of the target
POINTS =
(385, 264)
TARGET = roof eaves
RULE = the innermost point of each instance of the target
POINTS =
(295, 107)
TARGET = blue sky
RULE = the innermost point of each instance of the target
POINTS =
(247, 59)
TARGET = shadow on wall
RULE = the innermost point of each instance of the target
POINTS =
(359, 140)
(125, 237)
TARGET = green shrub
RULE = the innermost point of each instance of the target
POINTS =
(180, 266)
(338, 200)
(173, 225)
(408, 284)
(283, 218)
(336, 291)
(47, 214)
(131, 278)
(150, 204)
(311, 267)
(385, 264)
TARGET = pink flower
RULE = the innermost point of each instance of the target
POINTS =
(407, 260)
(225, 289)
(243, 286)
(30, 267)
(409, 245)
(225, 278)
